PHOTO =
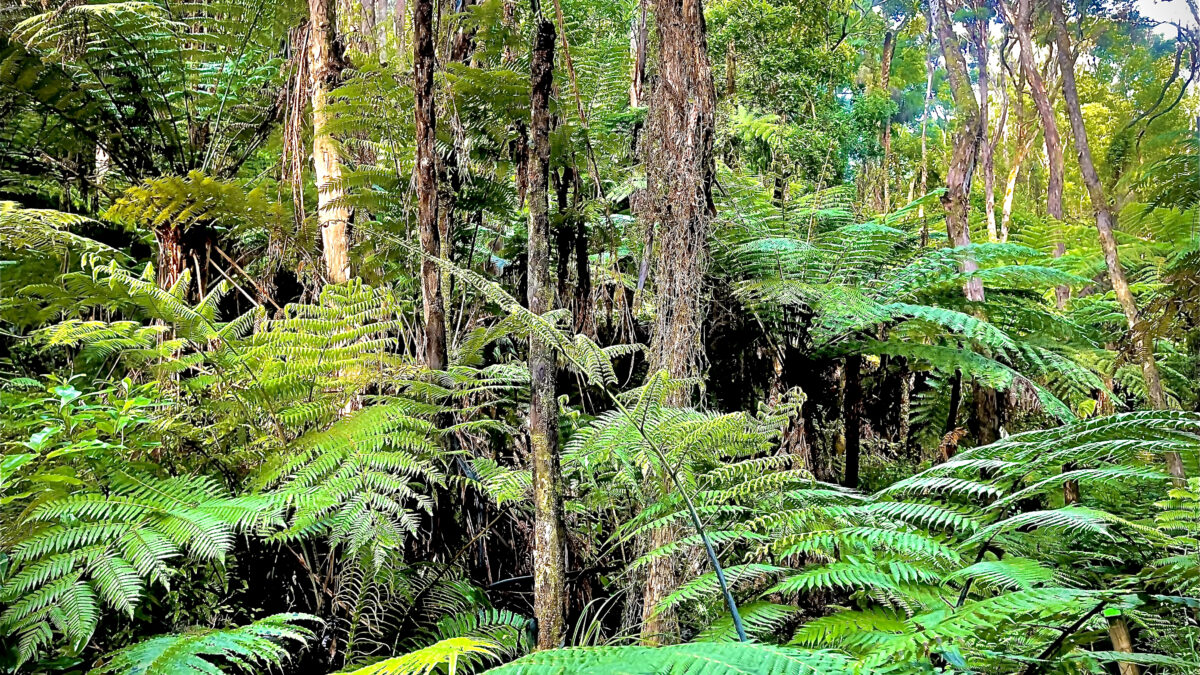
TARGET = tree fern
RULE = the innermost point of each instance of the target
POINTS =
(250, 648)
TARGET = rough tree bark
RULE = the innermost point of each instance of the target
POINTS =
(549, 550)
(967, 139)
(427, 188)
(679, 175)
(1104, 224)
(678, 204)
(325, 67)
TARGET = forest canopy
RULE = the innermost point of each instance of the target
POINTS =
(782, 337)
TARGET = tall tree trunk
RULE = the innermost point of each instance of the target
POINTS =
(1021, 24)
(325, 67)
(929, 68)
(989, 156)
(549, 552)
(852, 406)
(585, 320)
(678, 204)
(1104, 225)
(885, 131)
(967, 139)
(427, 188)
(398, 22)
(679, 174)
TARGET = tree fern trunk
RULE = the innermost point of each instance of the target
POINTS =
(325, 68)
(427, 189)
(170, 255)
(985, 423)
(549, 553)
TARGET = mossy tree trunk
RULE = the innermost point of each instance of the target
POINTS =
(549, 552)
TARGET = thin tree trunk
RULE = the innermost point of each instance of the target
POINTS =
(637, 49)
(885, 132)
(549, 552)
(678, 204)
(1104, 223)
(967, 139)
(427, 188)
(1022, 26)
(1122, 641)
(989, 157)
(955, 401)
(398, 22)
(852, 406)
(370, 24)
(325, 67)
(1010, 188)
(585, 321)
(929, 68)
(730, 70)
